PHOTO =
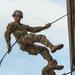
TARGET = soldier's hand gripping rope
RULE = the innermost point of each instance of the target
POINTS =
(47, 26)
(6, 54)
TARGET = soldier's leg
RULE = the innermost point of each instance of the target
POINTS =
(35, 49)
(32, 38)
(52, 63)
(42, 39)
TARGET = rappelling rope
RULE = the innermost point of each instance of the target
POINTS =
(62, 17)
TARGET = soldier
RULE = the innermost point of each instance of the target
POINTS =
(26, 41)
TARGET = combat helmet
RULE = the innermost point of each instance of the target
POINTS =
(18, 13)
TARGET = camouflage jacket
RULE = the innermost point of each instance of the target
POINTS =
(15, 29)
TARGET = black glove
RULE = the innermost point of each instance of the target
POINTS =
(47, 25)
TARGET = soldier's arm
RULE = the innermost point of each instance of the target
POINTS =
(10, 28)
(36, 29)
(8, 32)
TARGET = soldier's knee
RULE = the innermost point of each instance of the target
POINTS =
(45, 69)
(44, 51)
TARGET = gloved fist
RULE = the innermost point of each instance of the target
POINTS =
(47, 25)
(9, 48)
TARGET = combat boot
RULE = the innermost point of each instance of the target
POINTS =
(55, 48)
(53, 65)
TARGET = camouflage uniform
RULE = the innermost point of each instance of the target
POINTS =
(47, 71)
(26, 41)
(64, 74)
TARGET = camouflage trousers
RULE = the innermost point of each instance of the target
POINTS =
(47, 71)
(27, 44)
